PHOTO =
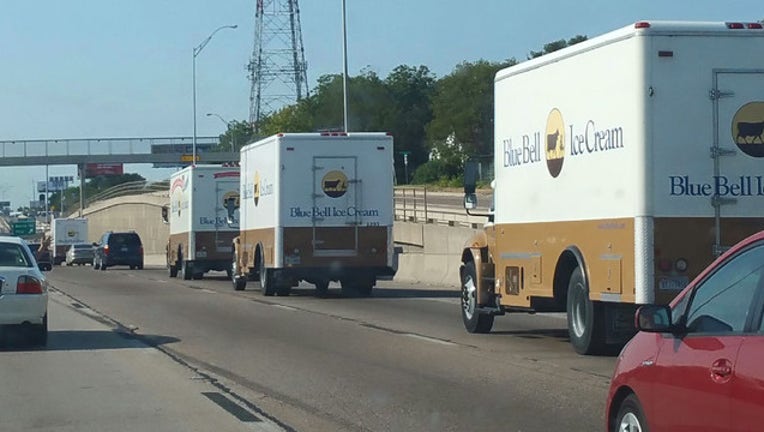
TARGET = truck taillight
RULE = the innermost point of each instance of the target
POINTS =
(28, 285)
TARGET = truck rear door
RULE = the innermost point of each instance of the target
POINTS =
(738, 98)
(226, 191)
(335, 200)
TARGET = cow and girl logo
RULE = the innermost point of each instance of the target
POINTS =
(748, 129)
(555, 142)
(178, 186)
(334, 184)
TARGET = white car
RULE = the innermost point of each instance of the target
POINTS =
(23, 290)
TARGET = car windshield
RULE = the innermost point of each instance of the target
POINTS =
(13, 255)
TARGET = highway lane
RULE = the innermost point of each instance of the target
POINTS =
(94, 377)
(398, 361)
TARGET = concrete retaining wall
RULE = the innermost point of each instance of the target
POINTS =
(141, 213)
(431, 252)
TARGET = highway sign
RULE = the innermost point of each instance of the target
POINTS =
(189, 158)
(23, 227)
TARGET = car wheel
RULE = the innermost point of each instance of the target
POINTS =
(96, 266)
(101, 264)
(132, 267)
(40, 332)
(630, 417)
(139, 266)
(584, 316)
(267, 283)
(198, 276)
(474, 321)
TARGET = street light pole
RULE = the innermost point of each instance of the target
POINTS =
(198, 49)
(345, 65)
(228, 128)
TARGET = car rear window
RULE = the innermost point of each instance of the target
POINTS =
(125, 239)
(13, 255)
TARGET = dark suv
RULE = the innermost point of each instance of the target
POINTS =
(118, 248)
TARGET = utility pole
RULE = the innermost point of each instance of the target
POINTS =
(277, 68)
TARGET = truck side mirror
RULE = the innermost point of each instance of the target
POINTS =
(165, 214)
(470, 201)
(471, 171)
(230, 206)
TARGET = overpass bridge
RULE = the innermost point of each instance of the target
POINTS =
(164, 151)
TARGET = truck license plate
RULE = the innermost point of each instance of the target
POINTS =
(673, 283)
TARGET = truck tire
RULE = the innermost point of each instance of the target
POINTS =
(585, 317)
(172, 270)
(322, 288)
(474, 321)
(267, 282)
(185, 272)
(239, 283)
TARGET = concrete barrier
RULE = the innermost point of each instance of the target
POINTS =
(431, 252)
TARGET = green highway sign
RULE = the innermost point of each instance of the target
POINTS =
(23, 227)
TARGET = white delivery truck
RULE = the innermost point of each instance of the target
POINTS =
(66, 232)
(316, 207)
(623, 166)
(200, 236)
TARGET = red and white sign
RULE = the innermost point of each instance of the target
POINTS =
(99, 169)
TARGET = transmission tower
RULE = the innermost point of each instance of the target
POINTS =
(277, 69)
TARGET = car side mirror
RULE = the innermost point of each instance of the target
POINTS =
(165, 214)
(94, 244)
(653, 319)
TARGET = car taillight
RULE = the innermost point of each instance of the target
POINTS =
(106, 249)
(28, 285)
(141, 249)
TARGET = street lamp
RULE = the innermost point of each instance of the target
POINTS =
(228, 128)
(198, 49)
(344, 66)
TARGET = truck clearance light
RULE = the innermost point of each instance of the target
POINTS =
(735, 26)
(334, 134)
(641, 25)
(754, 26)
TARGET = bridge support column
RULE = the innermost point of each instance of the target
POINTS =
(81, 172)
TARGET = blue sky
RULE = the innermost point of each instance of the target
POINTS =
(122, 68)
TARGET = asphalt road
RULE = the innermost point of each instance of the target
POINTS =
(400, 361)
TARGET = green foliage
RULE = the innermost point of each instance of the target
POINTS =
(556, 45)
(462, 123)
(238, 134)
(450, 118)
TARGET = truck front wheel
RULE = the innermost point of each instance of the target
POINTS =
(585, 317)
(474, 321)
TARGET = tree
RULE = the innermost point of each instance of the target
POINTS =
(462, 124)
(237, 135)
(411, 90)
(556, 45)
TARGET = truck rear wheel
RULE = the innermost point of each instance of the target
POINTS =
(322, 288)
(186, 271)
(172, 270)
(474, 321)
(585, 317)
(267, 282)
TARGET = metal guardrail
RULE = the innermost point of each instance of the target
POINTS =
(411, 204)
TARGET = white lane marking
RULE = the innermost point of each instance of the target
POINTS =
(429, 339)
(208, 291)
(289, 308)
